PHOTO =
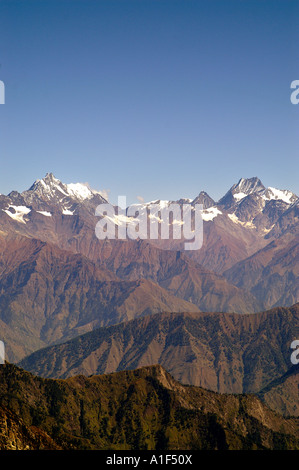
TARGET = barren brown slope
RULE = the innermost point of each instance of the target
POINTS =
(177, 273)
(271, 274)
(223, 352)
(282, 394)
(47, 294)
(226, 243)
(143, 409)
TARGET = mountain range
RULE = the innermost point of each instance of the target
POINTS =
(221, 317)
(58, 280)
(242, 222)
(223, 352)
(145, 409)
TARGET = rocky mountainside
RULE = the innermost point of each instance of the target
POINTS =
(58, 281)
(245, 220)
(49, 195)
(16, 435)
(141, 409)
(249, 217)
(227, 353)
(272, 273)
(177, 273)
(282, 394)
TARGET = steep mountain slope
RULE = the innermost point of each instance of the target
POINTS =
(204, 199)
(225, 243)
(282, 394)
(271, 274)
(247, 218)
(251, 217)
(16, 435)
(228, 353)
(142, 409)
(48, 294)
(175, 272)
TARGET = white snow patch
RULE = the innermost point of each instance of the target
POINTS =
(42, 183)
(79, 191)
(281, 194)
(210, 213)
(67, 212)
(122, 219)
(162, 204)
(45, 213)
(267, 230)
(239, 196)
(61, 190)
(236, 220)
(19, 213)
(48, 189)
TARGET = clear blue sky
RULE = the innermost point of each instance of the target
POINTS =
(150, 98)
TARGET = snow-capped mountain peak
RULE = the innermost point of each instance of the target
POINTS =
(247, 186)
(240, 190)
(279, 194)
(48, 187)
(253, 187)
(81, 191)
(52, 189)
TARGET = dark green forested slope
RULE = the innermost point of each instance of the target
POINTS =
(141, 409)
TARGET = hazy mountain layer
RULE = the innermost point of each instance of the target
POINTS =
(227, 353)
(48, 294)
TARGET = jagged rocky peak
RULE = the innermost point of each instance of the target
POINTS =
(283, 195)
(244, 187)
(47, 186)
(248, 186)
(48, 180)
(204, 199)
(50, 188)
